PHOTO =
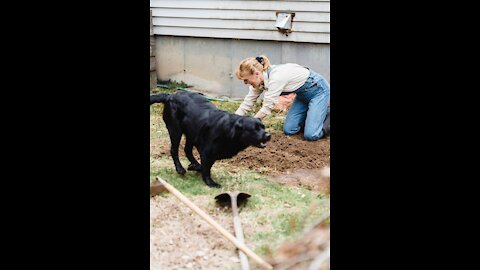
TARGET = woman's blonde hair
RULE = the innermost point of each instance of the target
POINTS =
(249, 65)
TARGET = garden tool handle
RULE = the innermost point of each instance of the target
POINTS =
(239, 233)
(217, 226)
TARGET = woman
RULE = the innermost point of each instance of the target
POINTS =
(308, 110)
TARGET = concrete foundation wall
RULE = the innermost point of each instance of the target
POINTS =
(209, 64)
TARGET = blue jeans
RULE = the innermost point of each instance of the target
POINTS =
(309, 108)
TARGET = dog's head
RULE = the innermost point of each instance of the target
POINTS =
(251, 131)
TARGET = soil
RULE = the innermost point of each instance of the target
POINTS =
(285, 154)
(179, 239)
(289, 160)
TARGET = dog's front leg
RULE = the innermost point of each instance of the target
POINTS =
(178, 166)
(206, 167)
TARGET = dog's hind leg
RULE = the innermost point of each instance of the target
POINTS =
(175, 137)
(194, 165)
(206, 167)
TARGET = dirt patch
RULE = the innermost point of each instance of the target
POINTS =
(312, 179)
(181, 239)
(285, 154)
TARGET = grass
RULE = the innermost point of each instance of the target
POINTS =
(278, 212)
(170, 87)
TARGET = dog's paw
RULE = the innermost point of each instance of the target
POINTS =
(214, 185)
(181, 170)
(195, 167)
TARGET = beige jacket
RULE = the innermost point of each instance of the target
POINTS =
(283, 78)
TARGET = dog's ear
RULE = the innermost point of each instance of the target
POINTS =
(237, 127)
(239, 124)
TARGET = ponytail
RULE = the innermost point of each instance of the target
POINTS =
(249, 65)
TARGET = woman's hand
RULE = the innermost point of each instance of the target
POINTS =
(260, 115)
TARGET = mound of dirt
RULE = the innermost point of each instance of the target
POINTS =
(285, 154)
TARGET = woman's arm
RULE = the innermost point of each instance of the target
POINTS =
(249, 101)
(275, 88)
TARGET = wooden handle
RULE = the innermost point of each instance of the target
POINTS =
(239, 234)
(217, 226)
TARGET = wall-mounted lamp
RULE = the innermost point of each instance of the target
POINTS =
(284, 21)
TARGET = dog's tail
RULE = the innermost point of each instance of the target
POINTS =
(159, 98)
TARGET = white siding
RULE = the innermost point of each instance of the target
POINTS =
(241, 19)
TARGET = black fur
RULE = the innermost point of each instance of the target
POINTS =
(215, 133)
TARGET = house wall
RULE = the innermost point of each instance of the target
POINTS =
(153, 62)
(202, 42)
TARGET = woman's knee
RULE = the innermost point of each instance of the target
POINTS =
(290, 129)
(313, 137)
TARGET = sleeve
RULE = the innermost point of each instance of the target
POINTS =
(249, 101)
(275, 88)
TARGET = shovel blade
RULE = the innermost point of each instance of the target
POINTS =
(225, 199)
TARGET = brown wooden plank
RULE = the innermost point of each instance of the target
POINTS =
(156, 188)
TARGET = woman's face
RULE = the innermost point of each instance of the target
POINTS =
(255, 80)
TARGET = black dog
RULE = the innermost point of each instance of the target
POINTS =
(215, 133)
